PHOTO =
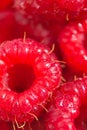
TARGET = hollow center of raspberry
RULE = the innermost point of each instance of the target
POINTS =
(21, 77)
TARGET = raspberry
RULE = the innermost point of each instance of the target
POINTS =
(64, 108)
(26, 68)
(30, 73)
(70, 103)
(72, 44)
(57, 120)
(36, 8)
(62, 111)
(78, 87)
(54, 10)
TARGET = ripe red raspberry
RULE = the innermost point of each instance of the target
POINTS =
(57, 120)
(72, 42)
(78, 87)
(28, 75)
(62, 111)
(65, 106)
(36, 9)
(54, 10)
(67, 102)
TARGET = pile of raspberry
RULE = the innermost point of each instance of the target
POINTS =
(43, 65)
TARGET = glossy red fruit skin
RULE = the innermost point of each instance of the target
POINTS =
(72, 42)
(29, 52)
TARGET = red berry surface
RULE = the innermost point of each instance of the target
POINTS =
(38, 90)
(71, 5)
(57, 120)
(37, 9)
(26, 68)
(54, 10)
(78, 87)
(72, 42)
(64, 109)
